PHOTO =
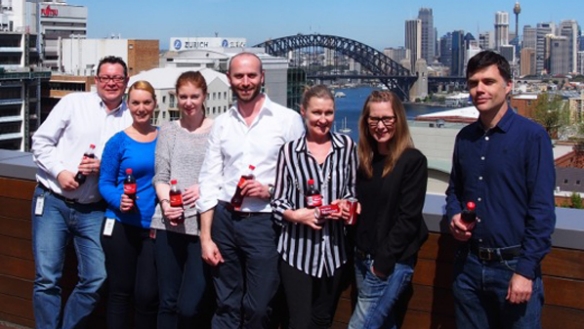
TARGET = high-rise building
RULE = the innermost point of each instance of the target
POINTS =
(458, 54)
(397, 54)
(580, 62)
(501, 29)
(428, 34)
(527, 61)
(569, 29)
(446, 50)
(486, 40)
(581, 43)
(559, 54)
(529, 37)
(541, 56)
(413, 40)
(508, 51)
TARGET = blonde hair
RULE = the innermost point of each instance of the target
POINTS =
(400, 141)
(142, 85)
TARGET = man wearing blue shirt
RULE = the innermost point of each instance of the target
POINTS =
(504, 164)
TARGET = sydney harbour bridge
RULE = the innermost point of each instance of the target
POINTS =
(323, 57)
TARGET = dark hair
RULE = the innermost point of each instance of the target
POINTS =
(320, 91)
(112, 60)
(485, 59)
(400, 141)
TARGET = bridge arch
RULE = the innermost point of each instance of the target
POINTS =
(392, 74)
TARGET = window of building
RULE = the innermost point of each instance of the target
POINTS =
(163, 99)
(171, 100)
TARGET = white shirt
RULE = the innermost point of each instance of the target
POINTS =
(79, 119)
(233, 146)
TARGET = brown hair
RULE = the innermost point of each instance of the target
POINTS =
(400, 141)
(196, 79)
(142, 85)
(320, 91)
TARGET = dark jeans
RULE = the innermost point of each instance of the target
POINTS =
(479, 291)
(182, 280)
(311, 301)
(131, 272)
(248, 279)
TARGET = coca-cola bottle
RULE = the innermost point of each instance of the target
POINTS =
(237, 198)
(469, 214)
(90, 153)
(313, 199)
(175, 199)
(130, 186)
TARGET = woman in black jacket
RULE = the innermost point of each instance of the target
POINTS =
(391, 186)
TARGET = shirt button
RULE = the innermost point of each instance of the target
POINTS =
(486, 138)
(478, 220)
(480, 240)
(480, 177)
(483, 158)
(479, 199)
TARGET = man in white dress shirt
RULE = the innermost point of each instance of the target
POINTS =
(241, 244)
(67, 208)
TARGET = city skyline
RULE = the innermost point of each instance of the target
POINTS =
(374, 22)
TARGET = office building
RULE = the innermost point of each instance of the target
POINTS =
(529, 37)
(541, 56)
(458, 54)
(413, 40)
(446, 50)
(501, 29)
(397, 54)
(527, 62)
(428, 34)
(559, 54)
(580, 62)
(569, 29)
(486, 40)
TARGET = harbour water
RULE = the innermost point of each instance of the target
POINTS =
(350, 107)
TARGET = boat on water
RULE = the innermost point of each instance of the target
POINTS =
(340, 94)
(344, 129)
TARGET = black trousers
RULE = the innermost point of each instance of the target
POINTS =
(131, 276)
(311, 301)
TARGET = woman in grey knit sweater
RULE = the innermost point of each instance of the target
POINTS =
(180, 151)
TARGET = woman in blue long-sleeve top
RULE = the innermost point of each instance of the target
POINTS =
(128, 247)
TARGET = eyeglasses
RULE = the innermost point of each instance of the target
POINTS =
(387, 121)
(116, 79)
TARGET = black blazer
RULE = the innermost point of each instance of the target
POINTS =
(400, 227)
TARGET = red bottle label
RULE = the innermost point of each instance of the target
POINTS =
(176, 200)
(313, 201)
(130, 189)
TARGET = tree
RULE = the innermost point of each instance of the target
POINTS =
(551, 111)
(576, 200)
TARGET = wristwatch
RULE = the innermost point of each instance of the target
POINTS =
(271, 190)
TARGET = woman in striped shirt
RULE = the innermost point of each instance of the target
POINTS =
(313, 247)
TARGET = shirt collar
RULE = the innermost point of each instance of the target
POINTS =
(504, 124)
(336, 140)
(120, 109)
(266, 107)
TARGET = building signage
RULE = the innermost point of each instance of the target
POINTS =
(49, 12)
(180, 44)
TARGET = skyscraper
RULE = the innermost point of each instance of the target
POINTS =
(446, 50)
(529, 37)
(428, 34)
(413, 41)
(501, 29)
(458, 51)
(541, 56)
(569, 29)
(559, 54)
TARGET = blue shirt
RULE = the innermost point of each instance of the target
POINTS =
(508, 171)
(122, 152)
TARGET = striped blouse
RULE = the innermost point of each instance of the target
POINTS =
(314, 252)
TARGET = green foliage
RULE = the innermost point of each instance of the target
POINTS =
(576, 200)
(551, 111)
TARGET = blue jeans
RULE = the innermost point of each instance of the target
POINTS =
(377, 297)
(182, 280)
(248, 279)
(479, 290)
(59, 223)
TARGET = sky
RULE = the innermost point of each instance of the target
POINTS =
(377, 23)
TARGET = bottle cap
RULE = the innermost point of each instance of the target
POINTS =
(173, 181)
(471, 206)
(91, 146)
(129, 171)
(251, 167)
(311, 181)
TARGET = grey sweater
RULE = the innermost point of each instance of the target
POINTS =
(179, 155)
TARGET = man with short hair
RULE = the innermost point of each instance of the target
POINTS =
(241, 244)
(67, 208)
(504, 164)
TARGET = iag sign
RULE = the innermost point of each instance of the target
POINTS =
(49, 12)
(181, 44)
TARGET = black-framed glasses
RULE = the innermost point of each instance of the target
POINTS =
(116, 79)
(386, 120)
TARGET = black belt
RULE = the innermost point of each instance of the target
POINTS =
(494, 254)
(242, 214)
(67, 200)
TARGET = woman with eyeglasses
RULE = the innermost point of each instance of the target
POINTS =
(312, 247)
(126, 241)
(391, 185)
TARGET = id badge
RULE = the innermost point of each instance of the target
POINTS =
(108, 228)
(40, 205)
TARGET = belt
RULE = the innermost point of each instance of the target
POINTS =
(67, 200)
(495, 254)
(241, 214)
